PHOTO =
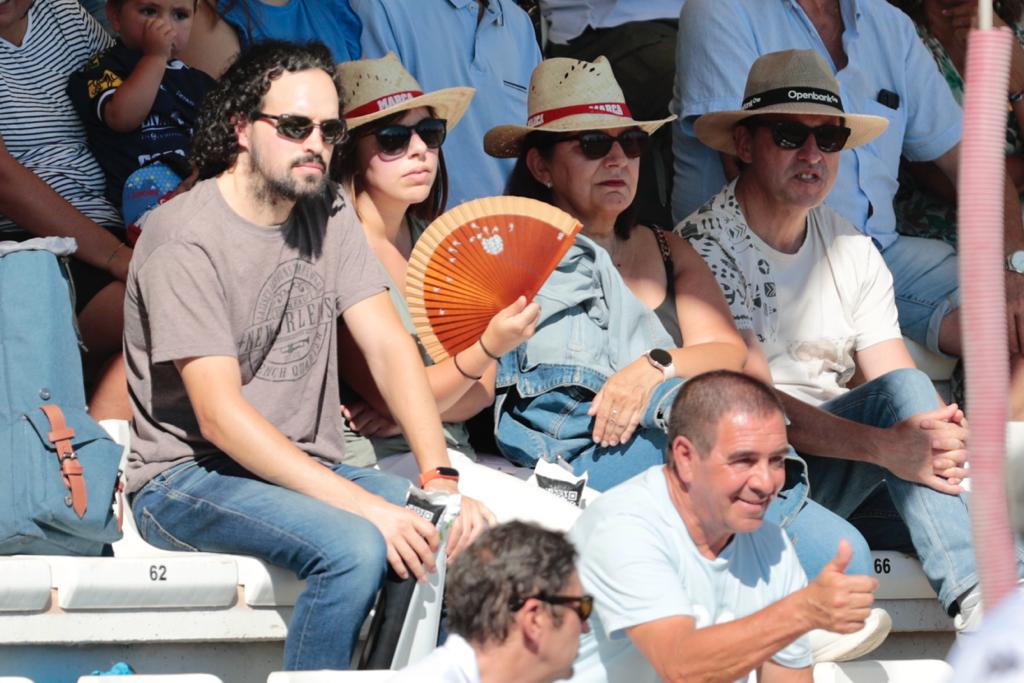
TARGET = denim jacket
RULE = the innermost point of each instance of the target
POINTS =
(589, 321)
(590, 326)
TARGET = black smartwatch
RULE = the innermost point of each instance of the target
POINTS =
(662, 360)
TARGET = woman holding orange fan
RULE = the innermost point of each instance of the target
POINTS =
(394, 170)
(629, 309)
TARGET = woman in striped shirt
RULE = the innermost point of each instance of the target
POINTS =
(49, 182)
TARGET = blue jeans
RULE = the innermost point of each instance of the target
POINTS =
(214, 505)
(926, 281)
(814, 530)
(938, 524)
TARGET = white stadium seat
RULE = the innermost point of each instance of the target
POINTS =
(884, 671)
(329, 676)
(154, 678)
(24, 584)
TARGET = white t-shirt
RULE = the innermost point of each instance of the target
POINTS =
(811, 310)
(453, 662)
(995, 654)
(639, 562)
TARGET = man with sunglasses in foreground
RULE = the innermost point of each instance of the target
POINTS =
(234, 296)
(814, 301)
(516, 610)
(689, 582)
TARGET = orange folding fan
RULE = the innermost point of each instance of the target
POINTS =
(475, 260)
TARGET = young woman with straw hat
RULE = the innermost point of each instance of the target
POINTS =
(393, 168)
(580, 150)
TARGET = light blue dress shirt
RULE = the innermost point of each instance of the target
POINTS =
(720, 39)
(443, 46)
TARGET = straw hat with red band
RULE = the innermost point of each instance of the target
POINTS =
(568, 95)
(375, 88)
(788, 82)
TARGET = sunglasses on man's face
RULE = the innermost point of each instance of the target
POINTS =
(597, 144)
(295, 127)
(393, 140)
(582, 605)
(829, 137)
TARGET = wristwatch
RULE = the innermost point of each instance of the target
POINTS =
(449, 473)
(1015, 261)
(662, 360)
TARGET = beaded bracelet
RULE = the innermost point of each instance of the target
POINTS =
(455, 359)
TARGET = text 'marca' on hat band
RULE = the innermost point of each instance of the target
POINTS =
(798, 95)
(612, 108)
(382, 103)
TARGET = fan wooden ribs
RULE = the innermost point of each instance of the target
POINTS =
(475, 260)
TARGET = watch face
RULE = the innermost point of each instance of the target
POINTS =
(661, 357)
(1017, 261)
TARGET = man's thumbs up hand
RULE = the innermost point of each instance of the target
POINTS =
(837, 602)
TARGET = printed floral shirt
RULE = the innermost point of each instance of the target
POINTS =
(718, 232)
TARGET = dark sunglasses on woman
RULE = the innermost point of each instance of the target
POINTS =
(295, 127)
(597, 144)
(829, 137)
(393, 140)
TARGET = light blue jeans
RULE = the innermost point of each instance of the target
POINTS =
(814, 530)
(553, 422)
(926, 281)
(215, 505)
(938, 524)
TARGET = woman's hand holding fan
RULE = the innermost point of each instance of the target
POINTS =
(510, 327)
(477, 260)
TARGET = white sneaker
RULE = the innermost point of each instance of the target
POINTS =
(827, 646)
(968, 619)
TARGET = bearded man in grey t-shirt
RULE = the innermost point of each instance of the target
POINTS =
(233, 300)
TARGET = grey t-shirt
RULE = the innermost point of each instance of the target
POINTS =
(205, 282)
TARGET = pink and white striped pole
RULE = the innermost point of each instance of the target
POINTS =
(983, 313)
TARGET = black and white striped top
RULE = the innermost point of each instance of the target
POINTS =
(39, 126)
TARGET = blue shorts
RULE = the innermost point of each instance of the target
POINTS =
(926, 280)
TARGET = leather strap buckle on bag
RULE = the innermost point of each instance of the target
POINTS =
(71, 469)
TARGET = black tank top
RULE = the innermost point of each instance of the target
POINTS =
(666, 310)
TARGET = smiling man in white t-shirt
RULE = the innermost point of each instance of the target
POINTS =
(689, 581)
(817, 301)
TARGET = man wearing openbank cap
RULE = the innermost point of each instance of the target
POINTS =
(816, 299)
(884, 69)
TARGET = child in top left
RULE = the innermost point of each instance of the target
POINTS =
(139, 103)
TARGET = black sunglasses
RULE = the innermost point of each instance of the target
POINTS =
(597, 144)
(393, 140)
(295, 127)
(793, 134)
(582, 605)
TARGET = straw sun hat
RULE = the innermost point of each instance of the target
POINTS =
(788, 82)
(568, 95)
(375, 88)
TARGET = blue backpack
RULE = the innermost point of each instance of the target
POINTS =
(58, 468)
